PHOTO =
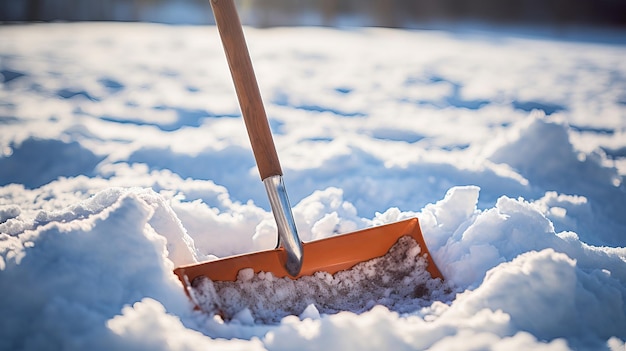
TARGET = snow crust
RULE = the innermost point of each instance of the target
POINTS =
(122, 156)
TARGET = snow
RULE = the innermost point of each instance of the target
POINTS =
(398, 280)
(123, 156)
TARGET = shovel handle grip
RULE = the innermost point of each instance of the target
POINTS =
(250, 102)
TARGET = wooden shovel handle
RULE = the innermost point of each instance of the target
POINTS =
(231, 33)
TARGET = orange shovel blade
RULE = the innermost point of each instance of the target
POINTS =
(330, 255)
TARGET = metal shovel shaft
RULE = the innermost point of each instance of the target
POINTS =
(287, 232)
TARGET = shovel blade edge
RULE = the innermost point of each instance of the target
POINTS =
(332, 254)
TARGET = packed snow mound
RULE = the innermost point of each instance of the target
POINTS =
(581, 303)
(538, 148)
(68, 268)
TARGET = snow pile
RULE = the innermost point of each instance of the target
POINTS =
(580, 303)
(68, 268)
(398, 280)
(122, 156)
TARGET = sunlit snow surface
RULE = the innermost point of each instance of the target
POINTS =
(122, 155)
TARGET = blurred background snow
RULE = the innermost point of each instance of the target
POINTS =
(387, 13)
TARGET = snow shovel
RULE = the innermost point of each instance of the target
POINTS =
(291, 258)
